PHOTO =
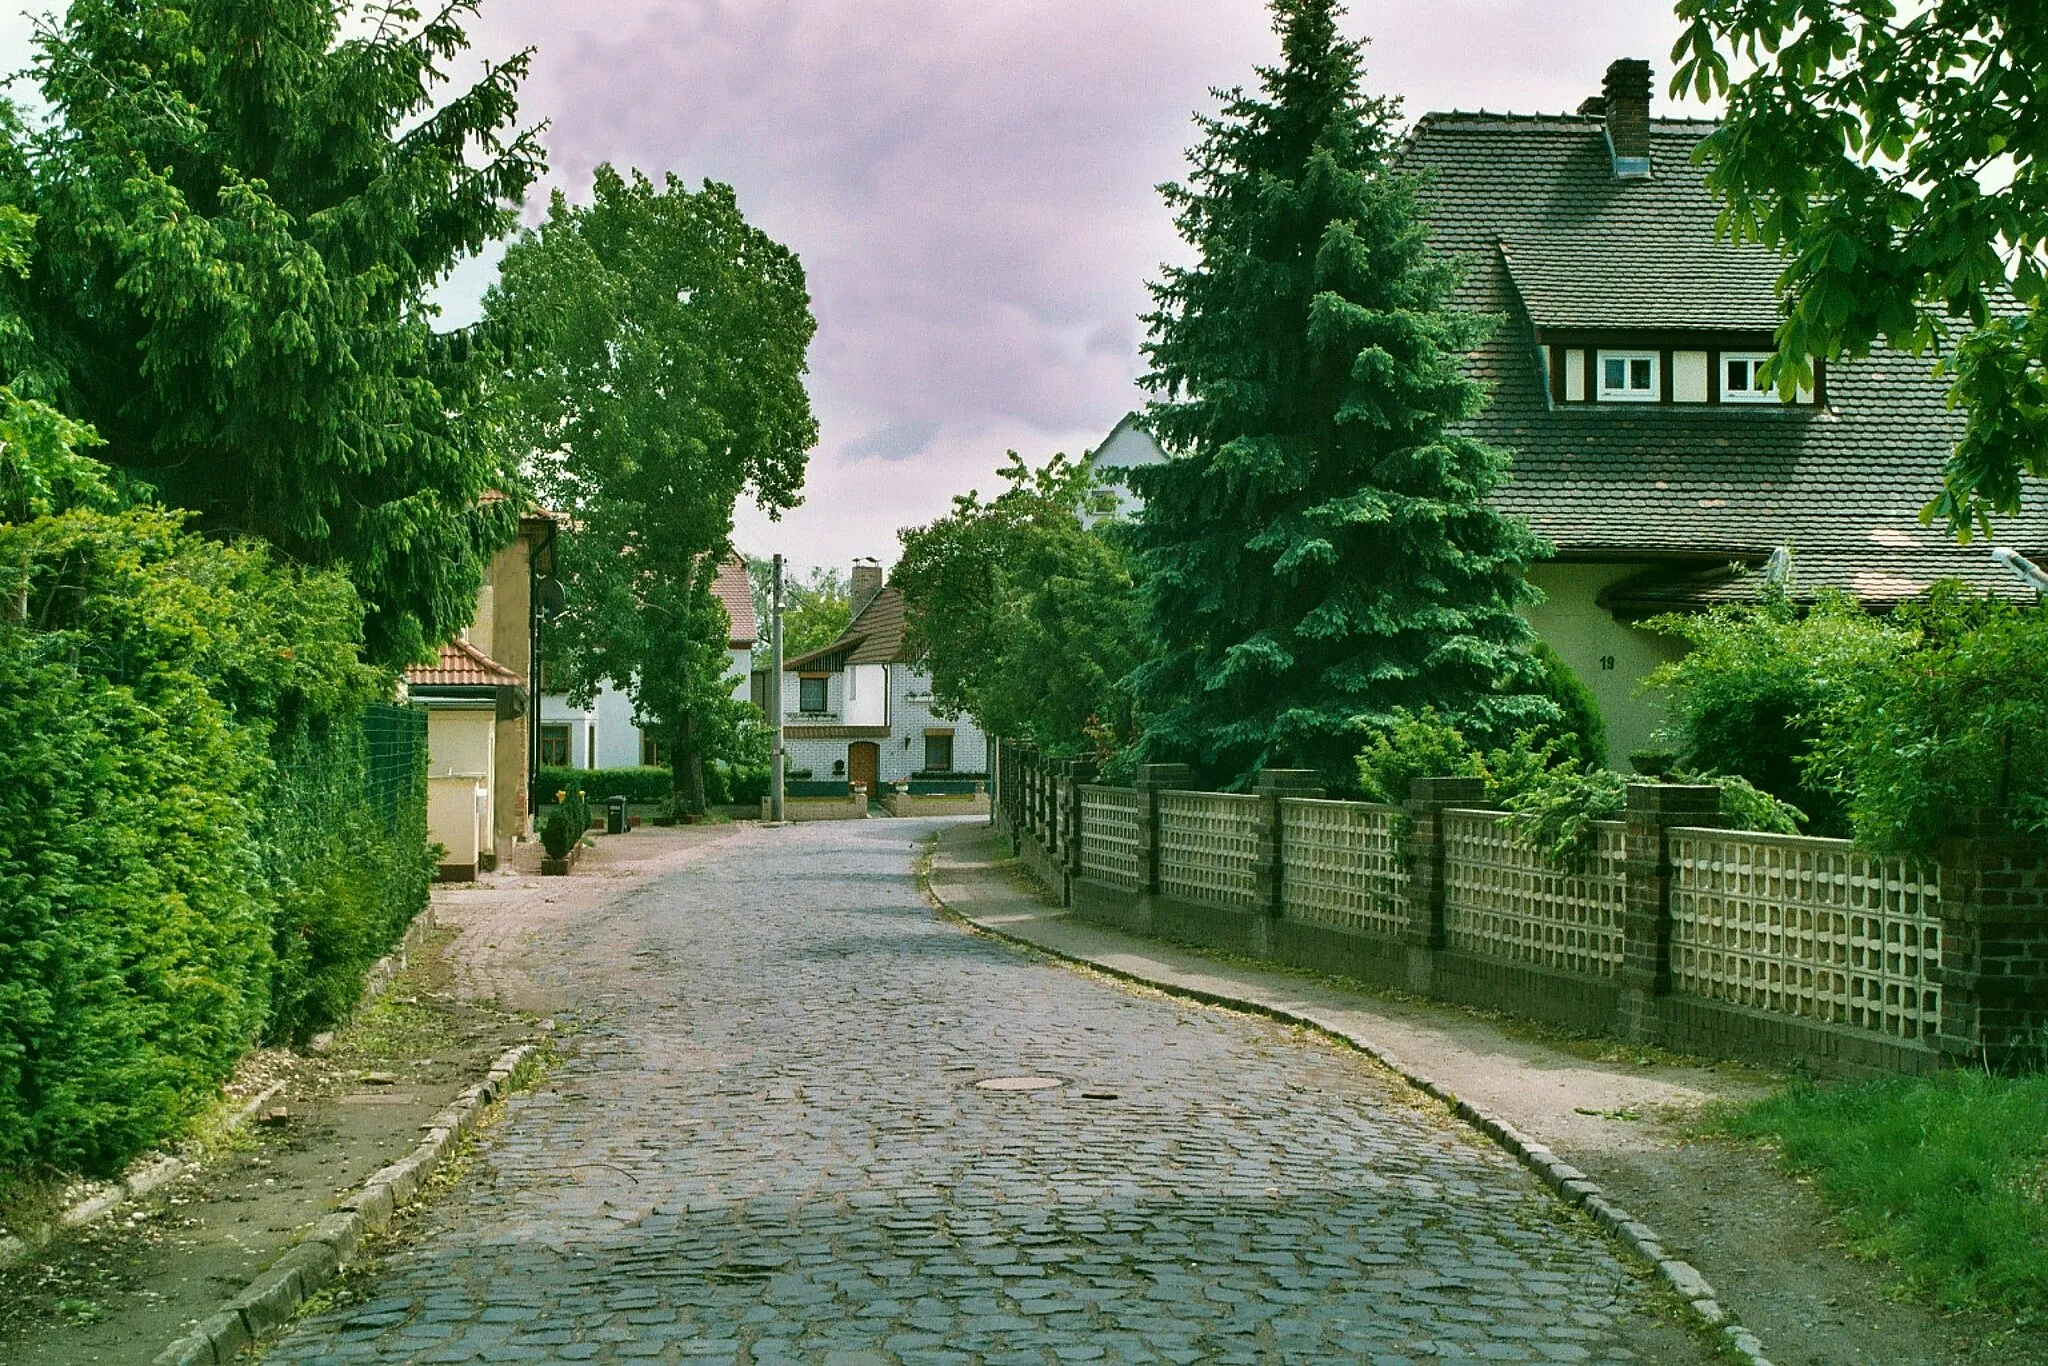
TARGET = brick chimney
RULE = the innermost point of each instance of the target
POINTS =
(1625, 105)
(867, 581)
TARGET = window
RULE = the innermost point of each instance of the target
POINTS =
(1741, 378)
(650, 753)
(554, 746)
(590, 746)
(1628, 377)
(938, 753)
(810, 694)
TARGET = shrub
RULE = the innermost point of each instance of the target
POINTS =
(1749, 697)
(637, 784)
(1947, 735)
(1556, 812)
(558, 835)
(1584, 736)
(176, 715)
(1426, 745)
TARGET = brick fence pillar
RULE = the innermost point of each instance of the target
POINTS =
(1653, 808)
(1269, 874)
(1151, 781)
(1994, 951)
(1077, 772)
(1423, 838)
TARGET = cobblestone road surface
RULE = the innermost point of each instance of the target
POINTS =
(768, 1145)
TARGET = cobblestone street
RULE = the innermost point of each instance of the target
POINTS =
(767, 1143)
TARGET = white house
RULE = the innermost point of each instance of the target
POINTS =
(606, 734)
(1125, 448)
(858, 710)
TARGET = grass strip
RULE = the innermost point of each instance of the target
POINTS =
(1940, 1176)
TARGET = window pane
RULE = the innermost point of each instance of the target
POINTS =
(811, 694)
(938, 752)
(554, 746)
(1738, 376)
(1616, 374)
(1639, 373)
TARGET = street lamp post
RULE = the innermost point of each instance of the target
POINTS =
(775, 693)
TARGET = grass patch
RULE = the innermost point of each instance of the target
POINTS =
(1941, 1176)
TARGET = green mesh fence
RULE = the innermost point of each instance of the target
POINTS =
(344, 838)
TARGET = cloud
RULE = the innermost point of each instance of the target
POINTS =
(971, 185)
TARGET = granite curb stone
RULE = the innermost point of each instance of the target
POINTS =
(273, 1297)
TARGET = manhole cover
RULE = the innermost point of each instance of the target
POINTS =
(1019, 1083)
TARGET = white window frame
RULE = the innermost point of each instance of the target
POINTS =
(1753, 359)
(1653, 394)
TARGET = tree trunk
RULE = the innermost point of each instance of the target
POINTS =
(687, 768)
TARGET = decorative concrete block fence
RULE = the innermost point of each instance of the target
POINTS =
(1678, 931)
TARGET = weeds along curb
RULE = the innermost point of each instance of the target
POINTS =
(1567, 1181)
(269, 1301)
(140, 1179)
(149, 1173)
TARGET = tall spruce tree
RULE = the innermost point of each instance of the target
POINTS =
(1319, 551)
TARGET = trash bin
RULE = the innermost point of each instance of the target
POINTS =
(615, 815)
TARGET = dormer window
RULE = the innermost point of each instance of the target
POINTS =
(1742, 378)
(1628, 377)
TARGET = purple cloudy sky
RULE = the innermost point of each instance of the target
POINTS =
(970, 184)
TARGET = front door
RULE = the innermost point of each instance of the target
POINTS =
(864, 765)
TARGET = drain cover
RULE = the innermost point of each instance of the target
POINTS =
(1019, 1083)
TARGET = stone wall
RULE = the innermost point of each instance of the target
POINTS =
(1674, 931)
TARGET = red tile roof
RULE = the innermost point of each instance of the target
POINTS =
(735, 591)
(463, 665)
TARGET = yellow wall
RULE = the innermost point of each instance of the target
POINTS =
(462, 748)
(1611, 657)
(501, 631)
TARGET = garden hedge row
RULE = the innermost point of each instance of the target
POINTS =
(724, 783)
(199, 846)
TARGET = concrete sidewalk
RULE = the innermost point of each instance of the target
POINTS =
(1624, 1117)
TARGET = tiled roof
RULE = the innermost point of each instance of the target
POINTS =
(463, 665)
(1843, 486)
(876, 636)
(735, 592)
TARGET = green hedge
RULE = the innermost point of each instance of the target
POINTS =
(635, 784)
(724, 783)
(194, 852)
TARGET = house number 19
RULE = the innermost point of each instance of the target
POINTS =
(1607, 663)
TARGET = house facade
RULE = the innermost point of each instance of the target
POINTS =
(858, 710)
(478, 734)
(1624, 379)
(607, 734)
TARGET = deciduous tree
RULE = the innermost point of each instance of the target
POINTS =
(1319, 553)
(816, 607)
(1891, 152)
(655, 352)
(1026, 615)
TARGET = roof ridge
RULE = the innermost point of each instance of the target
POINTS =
(1570, 120)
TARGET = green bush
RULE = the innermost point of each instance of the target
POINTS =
(1426, 745)
(1749, 697)
(558, 834)
(1947, 734)
(1584, 736)
(637, 784)
(179, 721)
